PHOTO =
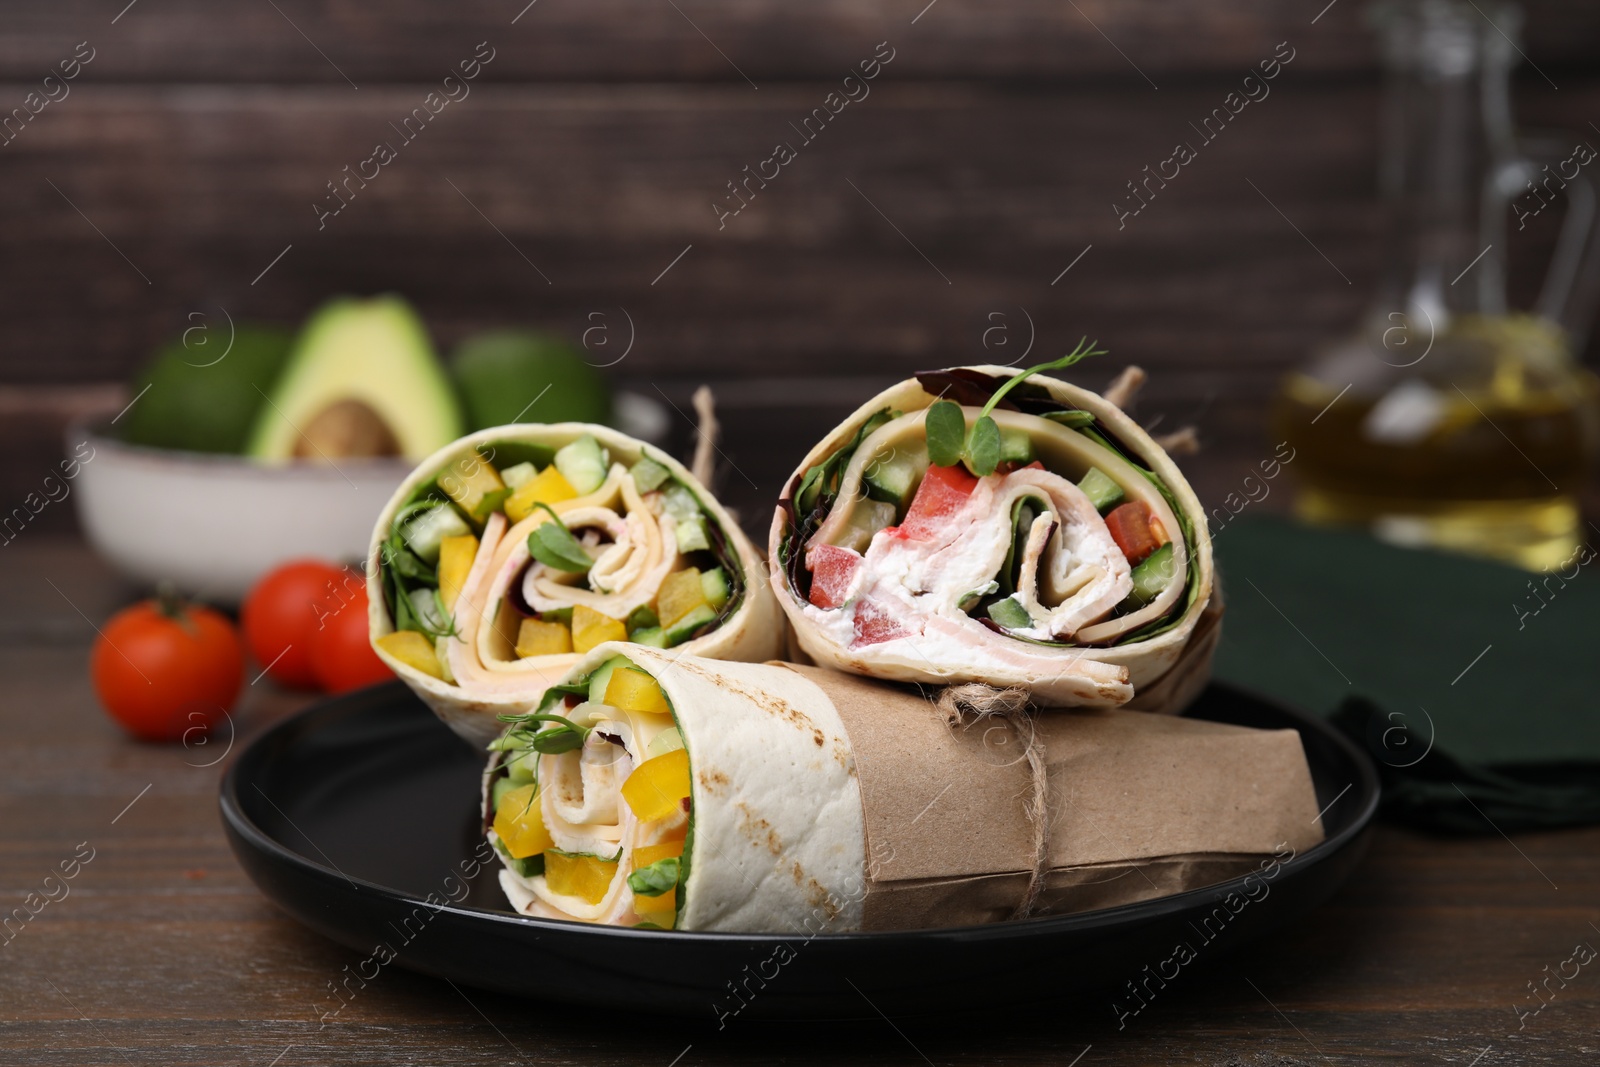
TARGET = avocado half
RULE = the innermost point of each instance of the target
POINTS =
(361, 381)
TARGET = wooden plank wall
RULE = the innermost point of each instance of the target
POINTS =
(190, 150)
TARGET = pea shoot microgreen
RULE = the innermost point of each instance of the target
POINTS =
(951, 442)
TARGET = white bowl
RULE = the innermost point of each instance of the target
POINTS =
(213, 524)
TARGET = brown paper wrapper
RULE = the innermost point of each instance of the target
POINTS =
(1141, 806)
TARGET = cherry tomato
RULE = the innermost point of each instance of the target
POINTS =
(282, 614)
(1136, 530)
(163, 668)
(341, 650)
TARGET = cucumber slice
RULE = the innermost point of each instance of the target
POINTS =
(684, 628)
(641, 618)
(648, 475)
(669, 740)
(1153, 574)
(649, 635)
(557, 615)
(1016, 447)
(427, 528)
(583, 464)
(518, 475)
(1102, 492)
(602, 678)
(894, 478)
(502, 786)
(714, 584)
(425, 602)
(866, 520)
(691, 534)
(520, 769)
(677, 501)
(1010, 615)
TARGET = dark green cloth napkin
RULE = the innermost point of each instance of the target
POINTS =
(1475, 686)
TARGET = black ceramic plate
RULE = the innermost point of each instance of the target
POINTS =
(352, 813)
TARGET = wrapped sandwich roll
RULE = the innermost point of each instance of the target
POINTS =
(668, 791)
(1013, 529)
(508, 554)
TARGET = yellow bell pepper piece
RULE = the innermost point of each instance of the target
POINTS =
(520, 823)
(657, 786)
(586, 877)
(538, 638)
(455, 562)
(412, 649)
(680, 594)
(549, 486)
(475, 485)
(590, 628)
(631, 690)
(658, 910)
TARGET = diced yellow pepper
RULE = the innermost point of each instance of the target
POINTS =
(680, 594)
(412, 649)
(633, 690)
(549, 486)
(455, 563)
(590, 628)
(658, 910)
(586, 877)
(538, 638)
(520, 823)
(475, 485)
(656, 787)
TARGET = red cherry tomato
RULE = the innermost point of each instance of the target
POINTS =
(282, 614)
(341, 650)
(162, 668)
(1136, 530)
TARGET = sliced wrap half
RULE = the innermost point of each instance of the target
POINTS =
(1080, 567)
(509, 553)
(668, 791)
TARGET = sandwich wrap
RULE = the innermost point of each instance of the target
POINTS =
(692, 794)
(1076, 563)
(509, 553)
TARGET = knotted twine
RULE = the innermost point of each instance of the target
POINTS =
(969, 704)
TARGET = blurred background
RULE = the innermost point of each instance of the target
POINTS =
(972, 207)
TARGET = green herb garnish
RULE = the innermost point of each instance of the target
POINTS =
(567, 735)
(949, 440)
(658, 878)
(552, 544)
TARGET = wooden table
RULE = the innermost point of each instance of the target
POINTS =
(164, 953)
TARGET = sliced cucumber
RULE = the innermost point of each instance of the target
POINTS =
(714, 586)
(502, 786)
(1016, 447)
(427, 528)
(425, 602)
(641, 617)
(866, 520)
(1102, 492)
(648, 474)
(602, 678)
(669, 740)
(1010, 615)
(691, 534)
(894, 478)
(557, 615)
(684, 628)
(518, 475)
(520, 768)
(677, 501)
(649, 635)
(1153, 574)
(583, 464)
